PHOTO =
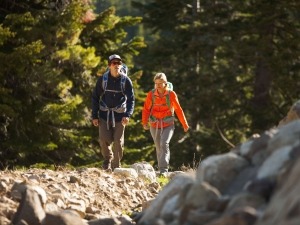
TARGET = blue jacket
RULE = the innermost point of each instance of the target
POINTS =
(112, 99)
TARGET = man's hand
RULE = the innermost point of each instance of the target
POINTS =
(125, 120)
(95, 122)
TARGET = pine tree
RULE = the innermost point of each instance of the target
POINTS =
(50, 56)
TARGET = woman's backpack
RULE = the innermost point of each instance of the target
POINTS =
(169, 118)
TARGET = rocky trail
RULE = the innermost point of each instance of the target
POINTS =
(91, 192)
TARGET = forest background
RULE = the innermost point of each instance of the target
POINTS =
(234, 65)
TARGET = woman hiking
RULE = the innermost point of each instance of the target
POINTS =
(158, 116)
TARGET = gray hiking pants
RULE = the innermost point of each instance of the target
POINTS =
(161, 141)
(112, 142)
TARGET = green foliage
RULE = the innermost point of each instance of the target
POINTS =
(5, 34)
(163, 181)
(45, 99)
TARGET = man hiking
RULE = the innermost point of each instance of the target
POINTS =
(112, 106)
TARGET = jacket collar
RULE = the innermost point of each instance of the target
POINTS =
(111, 76)
(157, 94)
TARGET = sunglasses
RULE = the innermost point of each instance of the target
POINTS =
(116, 63)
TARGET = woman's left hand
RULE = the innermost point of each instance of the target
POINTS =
(186, 129)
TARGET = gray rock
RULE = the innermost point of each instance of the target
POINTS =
(30, 209)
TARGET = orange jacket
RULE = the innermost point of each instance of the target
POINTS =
(161, 109)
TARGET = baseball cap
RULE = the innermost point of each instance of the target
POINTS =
(114, 56)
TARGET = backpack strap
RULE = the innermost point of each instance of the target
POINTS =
(168, 119)
(104, 81)
(167, 100)
(123, 84)
(123, 73)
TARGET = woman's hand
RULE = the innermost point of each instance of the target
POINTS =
(146, 127)
(186, 129)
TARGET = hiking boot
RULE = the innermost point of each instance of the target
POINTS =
(163, 174)
(109, 170)
(113, 166)
(107, 165)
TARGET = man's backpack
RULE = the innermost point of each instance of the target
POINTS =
(123, 71)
